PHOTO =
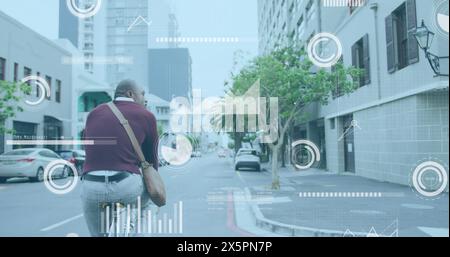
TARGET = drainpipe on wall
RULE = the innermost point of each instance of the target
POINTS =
(374, 8)
(319, 15)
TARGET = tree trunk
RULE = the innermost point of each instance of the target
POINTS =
(283, 154)
(238, 141)
(275, 177)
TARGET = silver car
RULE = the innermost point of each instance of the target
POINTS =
(247, 158)
(28, 163)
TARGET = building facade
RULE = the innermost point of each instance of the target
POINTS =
(400, 108)
(114, 42)
(161, 109)
(164, 24)
(24, 52)
(68, 24)
(287, 21)
(170, 73)
(87, 34)
(87, 92)
(126, 40)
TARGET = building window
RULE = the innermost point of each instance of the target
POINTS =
(337, 91)
(88, 46)
(309, 6)
(24, 131)
(361, 59)
(58, 91)
(27, 72)
(332, 123)
(16, 72)
(300, 22)
(88, 66)
(2, 68)
(88, 27)
(309, 9)
(38, 92)
(49, 82)
(402, 47)
(86, 103)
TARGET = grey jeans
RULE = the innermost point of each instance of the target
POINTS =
(100, 198)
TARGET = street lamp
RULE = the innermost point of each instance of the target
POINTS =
(425, 38)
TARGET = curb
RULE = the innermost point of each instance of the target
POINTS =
(292, 230)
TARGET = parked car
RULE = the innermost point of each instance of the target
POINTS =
(28, 163)
(76, 157)
(222, 154)
(247, 158)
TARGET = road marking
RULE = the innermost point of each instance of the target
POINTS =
(245, 220)
(435, 232)
(231, 223)
(272, 200)
(240, 177)
(61, 223)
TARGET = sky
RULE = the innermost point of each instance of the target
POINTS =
(212, 63)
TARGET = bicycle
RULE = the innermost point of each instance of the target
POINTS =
(125, 220)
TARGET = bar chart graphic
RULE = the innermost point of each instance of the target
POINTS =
(343, 3)
(134, 219)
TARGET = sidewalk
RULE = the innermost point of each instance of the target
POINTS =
(317, 203)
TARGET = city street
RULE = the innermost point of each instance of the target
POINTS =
(340, 107)
(29, 209)
(215, 202)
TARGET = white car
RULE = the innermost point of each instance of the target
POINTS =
(29, 163)
(222, 154)
(247, 158)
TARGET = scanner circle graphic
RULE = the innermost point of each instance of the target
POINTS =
(313, 46)
(175, 149)
(83, 13)
(312, 149)
(51, 185)
(43, 86)
(440, 17)
(439, 179)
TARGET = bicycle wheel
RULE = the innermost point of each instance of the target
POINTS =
(124, 222)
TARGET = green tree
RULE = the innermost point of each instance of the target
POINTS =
(287, 74)
(160, 128)
(10, 96)
(231, 145)
(195, 141)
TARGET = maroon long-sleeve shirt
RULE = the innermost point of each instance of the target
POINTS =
(102, 124)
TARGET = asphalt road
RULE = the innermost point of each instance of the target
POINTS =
(211, 194)
(204, 186)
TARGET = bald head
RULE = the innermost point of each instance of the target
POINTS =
(128, 88)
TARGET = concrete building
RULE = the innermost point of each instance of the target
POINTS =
(285, 21)
(88, 35)
(87, 91)
(400, 108)
(69, 24)
(170, 73)
(164, 24)
(114, 42)
(161, 109)
(126, 40)
(24, 52)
